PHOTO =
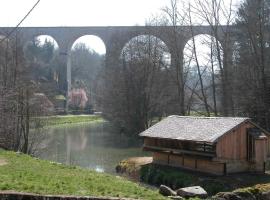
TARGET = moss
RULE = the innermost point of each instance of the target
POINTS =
(128, 168)
(251, 190)
(23, 173)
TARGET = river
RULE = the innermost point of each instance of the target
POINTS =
(96, 146)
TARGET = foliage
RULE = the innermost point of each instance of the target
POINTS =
(42, 52)
(157, 175)
(26, 174)
(46, 67)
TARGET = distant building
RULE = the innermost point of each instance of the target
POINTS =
(216, 145)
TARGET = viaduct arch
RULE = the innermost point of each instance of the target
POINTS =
(115, 38)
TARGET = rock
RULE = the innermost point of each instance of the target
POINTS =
(265, 195)
(166, 191)
(236, 196)
(231, 196)
(176, 197)
(246, 195)
(228, 196)
(194, 191)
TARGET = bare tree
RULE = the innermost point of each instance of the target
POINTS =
(219, 16)
(136, 90)
(17, 111)
(174, 20)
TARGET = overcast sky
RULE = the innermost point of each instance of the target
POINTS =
(80, 12)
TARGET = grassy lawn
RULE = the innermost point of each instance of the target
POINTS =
(69, 119)
(23, 173)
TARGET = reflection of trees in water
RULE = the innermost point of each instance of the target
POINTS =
(75, 142)
(91, 145)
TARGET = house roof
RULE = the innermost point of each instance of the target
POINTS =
(201, 129)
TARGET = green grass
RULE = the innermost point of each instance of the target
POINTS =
(23, 173)
(69, 119)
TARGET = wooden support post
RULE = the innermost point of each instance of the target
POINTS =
(183, 160)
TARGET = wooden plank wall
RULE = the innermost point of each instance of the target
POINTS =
(268, 146)
(210, 167)
(189, 162)
(261, 150)
(149, 141)
(233, 145)
(160, 158)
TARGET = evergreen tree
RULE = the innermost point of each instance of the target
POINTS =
(252, 68)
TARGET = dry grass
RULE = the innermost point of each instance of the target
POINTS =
(3, 162)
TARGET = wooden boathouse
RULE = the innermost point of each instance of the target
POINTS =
(216, 145)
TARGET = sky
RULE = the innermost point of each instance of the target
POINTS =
(81, 13)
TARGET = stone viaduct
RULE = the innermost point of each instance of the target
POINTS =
(115, 38)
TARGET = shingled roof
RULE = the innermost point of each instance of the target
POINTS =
(202, 129)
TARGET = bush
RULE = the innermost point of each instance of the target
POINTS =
(157, 175)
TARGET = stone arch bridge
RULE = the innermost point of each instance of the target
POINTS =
(115, 38)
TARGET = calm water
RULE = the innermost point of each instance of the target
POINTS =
(94, 146)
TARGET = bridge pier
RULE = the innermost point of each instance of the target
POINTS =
(178, 65)
(65, 63)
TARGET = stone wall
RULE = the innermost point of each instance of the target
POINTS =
(29, 196)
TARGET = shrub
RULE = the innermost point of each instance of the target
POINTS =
(157, 175)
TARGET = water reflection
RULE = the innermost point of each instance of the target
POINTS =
(94, 146)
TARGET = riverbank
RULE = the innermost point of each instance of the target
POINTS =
(58, 120)
(143, 170)
(22, 173)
